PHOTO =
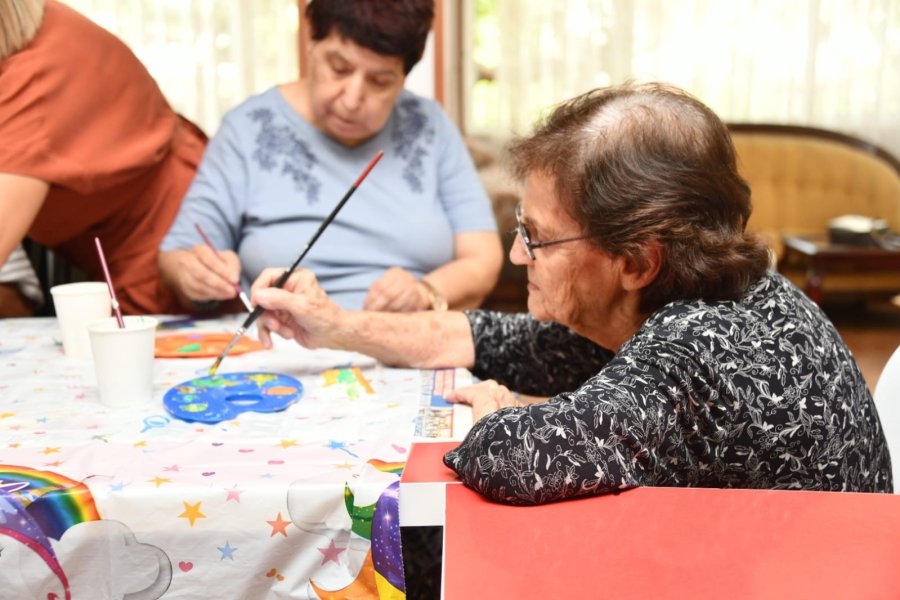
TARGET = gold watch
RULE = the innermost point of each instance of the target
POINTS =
(436, 299)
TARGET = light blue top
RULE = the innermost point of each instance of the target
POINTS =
(269, 178)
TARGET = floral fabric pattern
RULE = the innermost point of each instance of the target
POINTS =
(760, 392)
(280, 144)
(412, 136)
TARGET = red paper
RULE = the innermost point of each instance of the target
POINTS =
(675, 543)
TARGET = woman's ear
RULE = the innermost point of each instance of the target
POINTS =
(639, 272)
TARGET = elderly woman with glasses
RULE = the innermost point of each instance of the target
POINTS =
(671, 356)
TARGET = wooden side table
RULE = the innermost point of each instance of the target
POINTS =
(822, 255)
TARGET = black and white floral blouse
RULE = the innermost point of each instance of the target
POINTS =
(756, 393)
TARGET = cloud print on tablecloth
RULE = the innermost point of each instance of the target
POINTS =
(50, 524)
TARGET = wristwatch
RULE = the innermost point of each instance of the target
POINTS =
(437, 300)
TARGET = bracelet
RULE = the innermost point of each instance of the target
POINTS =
(436, 299)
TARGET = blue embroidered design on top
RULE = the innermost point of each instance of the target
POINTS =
(411, 137)
(278, 143)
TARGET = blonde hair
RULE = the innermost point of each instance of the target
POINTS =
(19, 22)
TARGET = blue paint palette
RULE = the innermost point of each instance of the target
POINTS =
(223, 397)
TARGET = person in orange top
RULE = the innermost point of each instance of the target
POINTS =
(89, 146)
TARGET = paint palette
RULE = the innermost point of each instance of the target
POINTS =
(222, 397)
(201, 345)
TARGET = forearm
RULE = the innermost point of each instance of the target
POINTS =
(168, 270)
(21, 198)
(419, 340)
(472, 274)
(464, 283)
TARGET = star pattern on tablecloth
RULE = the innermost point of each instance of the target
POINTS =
(172, 468)
(50, 450)
(159, 480)
(336, 445)
(331, 553)
(279, 525)
(192, 512)
(288, 443)
(139, 444)
(227, 551)
(233, 494)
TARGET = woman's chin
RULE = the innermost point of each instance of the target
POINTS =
(536, 306)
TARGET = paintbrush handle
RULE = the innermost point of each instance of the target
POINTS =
(287, 273)
(256, 312)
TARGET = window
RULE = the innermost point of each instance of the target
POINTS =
(206, 55)
(824, 63)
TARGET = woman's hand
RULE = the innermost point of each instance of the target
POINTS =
(484, 397)
(200, 274)
(397, 290)
(300, 310)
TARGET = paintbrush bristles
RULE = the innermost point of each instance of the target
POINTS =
(237, 335)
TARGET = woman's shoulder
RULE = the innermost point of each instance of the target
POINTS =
(266, 100)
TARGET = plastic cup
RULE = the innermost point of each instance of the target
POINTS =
(123, 360)
(77, 305)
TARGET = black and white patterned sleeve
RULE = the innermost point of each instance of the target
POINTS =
(530, 356)
(605, 436)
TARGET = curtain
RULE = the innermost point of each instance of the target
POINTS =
(206, 55)
(833, 64)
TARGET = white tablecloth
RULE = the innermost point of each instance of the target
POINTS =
(98, 502)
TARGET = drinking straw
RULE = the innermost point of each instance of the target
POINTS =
(109, 284)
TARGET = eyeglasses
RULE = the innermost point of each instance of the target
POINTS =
(529, 245)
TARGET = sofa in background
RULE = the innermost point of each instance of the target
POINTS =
(801, 178)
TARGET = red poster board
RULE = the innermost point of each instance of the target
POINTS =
(675, 543)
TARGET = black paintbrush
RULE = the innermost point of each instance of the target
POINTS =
(284, 277)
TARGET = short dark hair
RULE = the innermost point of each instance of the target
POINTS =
(640, 163)
(388, 27)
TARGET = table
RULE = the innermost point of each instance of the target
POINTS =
(97, 502)
(822, 255)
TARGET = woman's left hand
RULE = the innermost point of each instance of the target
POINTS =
(485, 398)
(397, 290)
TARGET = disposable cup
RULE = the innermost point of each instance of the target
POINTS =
(77, 305)
(123, 360)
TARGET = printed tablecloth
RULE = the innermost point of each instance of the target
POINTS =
(99, 502)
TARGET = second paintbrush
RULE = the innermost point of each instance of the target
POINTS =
(255, 314)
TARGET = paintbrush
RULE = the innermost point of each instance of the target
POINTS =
(284, 276)
(237, 287)
(109, 284)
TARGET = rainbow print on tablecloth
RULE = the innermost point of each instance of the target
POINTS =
(54, 501)
(387, 467)
(38, 505)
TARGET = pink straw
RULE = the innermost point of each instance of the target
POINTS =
(109, 284)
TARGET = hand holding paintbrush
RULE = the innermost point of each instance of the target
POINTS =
(255, 314)
(237, 286)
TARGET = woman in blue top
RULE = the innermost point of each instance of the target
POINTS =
(420, 232)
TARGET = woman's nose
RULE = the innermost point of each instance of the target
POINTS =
(354, 93)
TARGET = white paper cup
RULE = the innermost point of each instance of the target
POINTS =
(123, 360)
(77, 305)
